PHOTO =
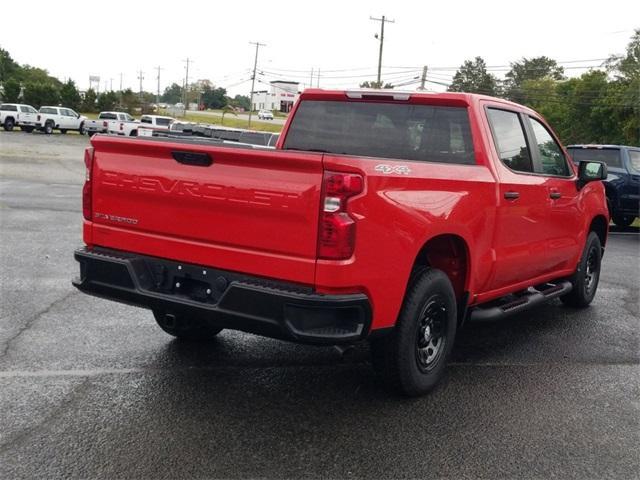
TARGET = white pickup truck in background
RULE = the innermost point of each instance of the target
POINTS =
(120, 123)
(18, 115)
(60, 118)
(150, 123)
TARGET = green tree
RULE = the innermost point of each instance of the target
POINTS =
(240, 101)
(472, 77)
(89, 101)
(8, 67)
(70, 96)
(214, 97)
(172, 94)
(41, 93)
(107, 101)
(530, 69)
(625, 93)
(375, 84)
(11, 88)
(129, 101)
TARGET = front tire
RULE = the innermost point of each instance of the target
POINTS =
(585, 280)
(190, 329)
(412, 359)
(8, 124)
(48, 128)
(623, 220)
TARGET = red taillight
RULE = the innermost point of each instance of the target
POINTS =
(122, 126)
(337, 232)
(38, 117)
(105, 124)
(86, 189)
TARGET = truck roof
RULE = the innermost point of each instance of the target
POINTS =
(404, 95)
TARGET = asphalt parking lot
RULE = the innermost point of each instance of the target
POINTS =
(93, 389)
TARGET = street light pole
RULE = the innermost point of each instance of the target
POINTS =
(253, 78)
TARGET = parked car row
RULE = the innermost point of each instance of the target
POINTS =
(48, 119)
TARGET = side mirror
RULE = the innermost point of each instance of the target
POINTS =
(591, 171)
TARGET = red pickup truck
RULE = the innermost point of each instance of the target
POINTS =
(380, 215)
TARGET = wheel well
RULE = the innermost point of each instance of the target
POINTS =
(599, 225)
(9, 118)
(450, 254)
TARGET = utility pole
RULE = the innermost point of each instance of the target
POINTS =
(158, 92)
(140, 77)
(423, 79)
(111, 84)
(311, 81)
(186, 85)
(381, 39)
(121, 81)
(253, 78)
(318, 77)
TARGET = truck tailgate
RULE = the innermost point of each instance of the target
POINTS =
(249, 210)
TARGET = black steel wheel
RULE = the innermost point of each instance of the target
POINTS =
(585, 280)
(412, 359)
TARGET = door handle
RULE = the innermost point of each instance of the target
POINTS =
(555, 195)
(198, 159)
(511, 195)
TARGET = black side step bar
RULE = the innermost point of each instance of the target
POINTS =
(532, 298)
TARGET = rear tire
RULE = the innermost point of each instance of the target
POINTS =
(48, 128)
(190, 329)
(585, 280)
(412, 359)
(8, 124)
(623, 220)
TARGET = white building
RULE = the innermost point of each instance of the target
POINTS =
(281, 96)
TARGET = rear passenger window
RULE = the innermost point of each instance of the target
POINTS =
(425, 133)
(551, 156)
(508, 134)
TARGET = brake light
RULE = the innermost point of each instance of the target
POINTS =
(86, 189)
(337, 232)
(38, 117)
(122, 126)
(105, 124)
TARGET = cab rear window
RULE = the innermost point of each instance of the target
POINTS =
(384, 130)
(8, 108)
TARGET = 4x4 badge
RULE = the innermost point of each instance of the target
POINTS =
(388, 169)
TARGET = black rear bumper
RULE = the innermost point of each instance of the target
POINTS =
(225, 299)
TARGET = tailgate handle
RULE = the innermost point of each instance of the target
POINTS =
(198, 159)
